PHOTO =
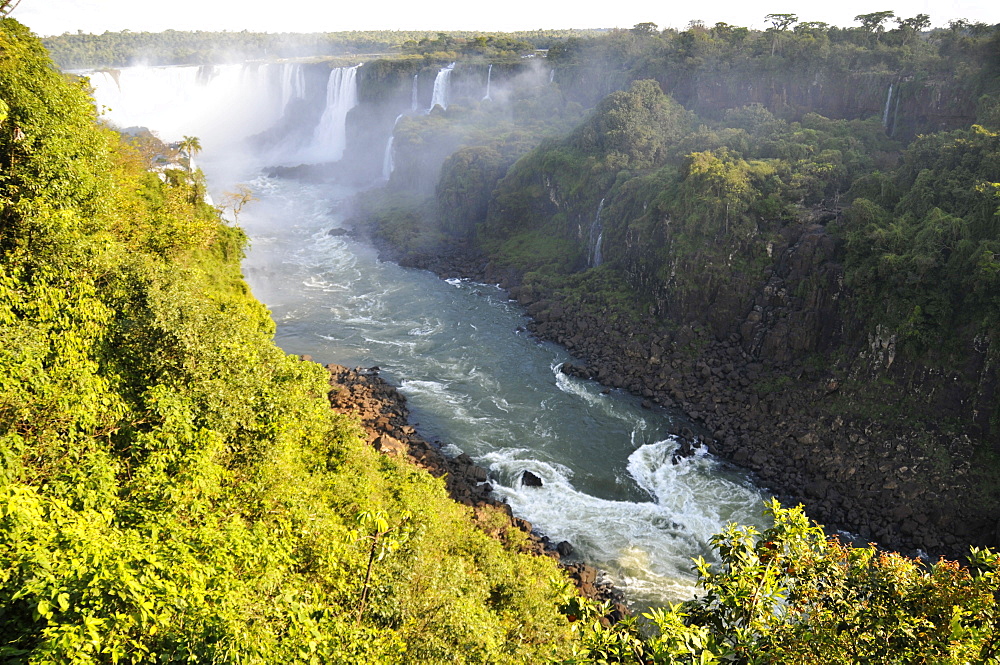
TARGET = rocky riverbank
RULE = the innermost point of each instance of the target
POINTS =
(383, 413)
(800, 427)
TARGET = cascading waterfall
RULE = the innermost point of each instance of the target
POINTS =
(489, 76)
(414, 102)
(220, 104)
(341, 97)
(388, 164)
(293, 84)
(885, 112)
(596, 236)
(442, 85)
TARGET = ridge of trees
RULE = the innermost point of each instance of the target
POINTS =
(172, 47)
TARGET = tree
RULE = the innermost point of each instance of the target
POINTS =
(912, 26)
(191, 146)
(874, 22)
(779, 23)
(646, 28)
(7, 6)
(236, 200)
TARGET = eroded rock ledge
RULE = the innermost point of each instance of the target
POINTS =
(385, 417)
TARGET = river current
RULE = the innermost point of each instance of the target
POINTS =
(477, 381)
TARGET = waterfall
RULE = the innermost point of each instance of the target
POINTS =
(885, 113)
(341, 97)
(489, 75)
(442, 83)
(552, 75)
(220, 104)
(388, 164)
(596, 236)
(293, 84)
(414, 103)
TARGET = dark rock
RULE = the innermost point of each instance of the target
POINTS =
(564, 548)
(528, 479)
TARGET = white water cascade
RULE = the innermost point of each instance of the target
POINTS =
(388, 163)
(341, 97)
(885, 113)
(596, 236)
(489, 76)
(293, 83)
(442, 88)
(221, 104)
(414, 101)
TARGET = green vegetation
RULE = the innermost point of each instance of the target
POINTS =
(173, 47)
(174, 487)
(793, 595)
(923, 242)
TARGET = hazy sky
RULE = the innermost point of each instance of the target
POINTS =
(49, 17)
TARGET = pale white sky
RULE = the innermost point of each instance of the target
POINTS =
(52, 17)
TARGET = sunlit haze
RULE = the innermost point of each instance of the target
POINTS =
(53, 17)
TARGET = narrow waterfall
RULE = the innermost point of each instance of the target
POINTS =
(341, 97)
(442, 85)
(596, 236)
(489, 76)
(885, 113)
(388, 164)
(414, 102)
(293, 84)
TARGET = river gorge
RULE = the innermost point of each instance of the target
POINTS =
(475, 379)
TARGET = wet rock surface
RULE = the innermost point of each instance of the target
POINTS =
(382, 410)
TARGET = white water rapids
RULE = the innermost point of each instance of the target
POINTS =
(473, 378)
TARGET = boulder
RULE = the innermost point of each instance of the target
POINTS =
(528, 479)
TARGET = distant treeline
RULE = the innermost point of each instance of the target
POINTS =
(172, 47)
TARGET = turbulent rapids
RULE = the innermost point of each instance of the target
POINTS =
(475, 380)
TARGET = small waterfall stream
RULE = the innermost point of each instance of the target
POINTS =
(885, 112)
(388, 163)
(442, 88)
(594, 257)
(489, 77)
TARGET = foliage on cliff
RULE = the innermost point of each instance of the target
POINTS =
(792, 595)
(173, 487)
(923, 242)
